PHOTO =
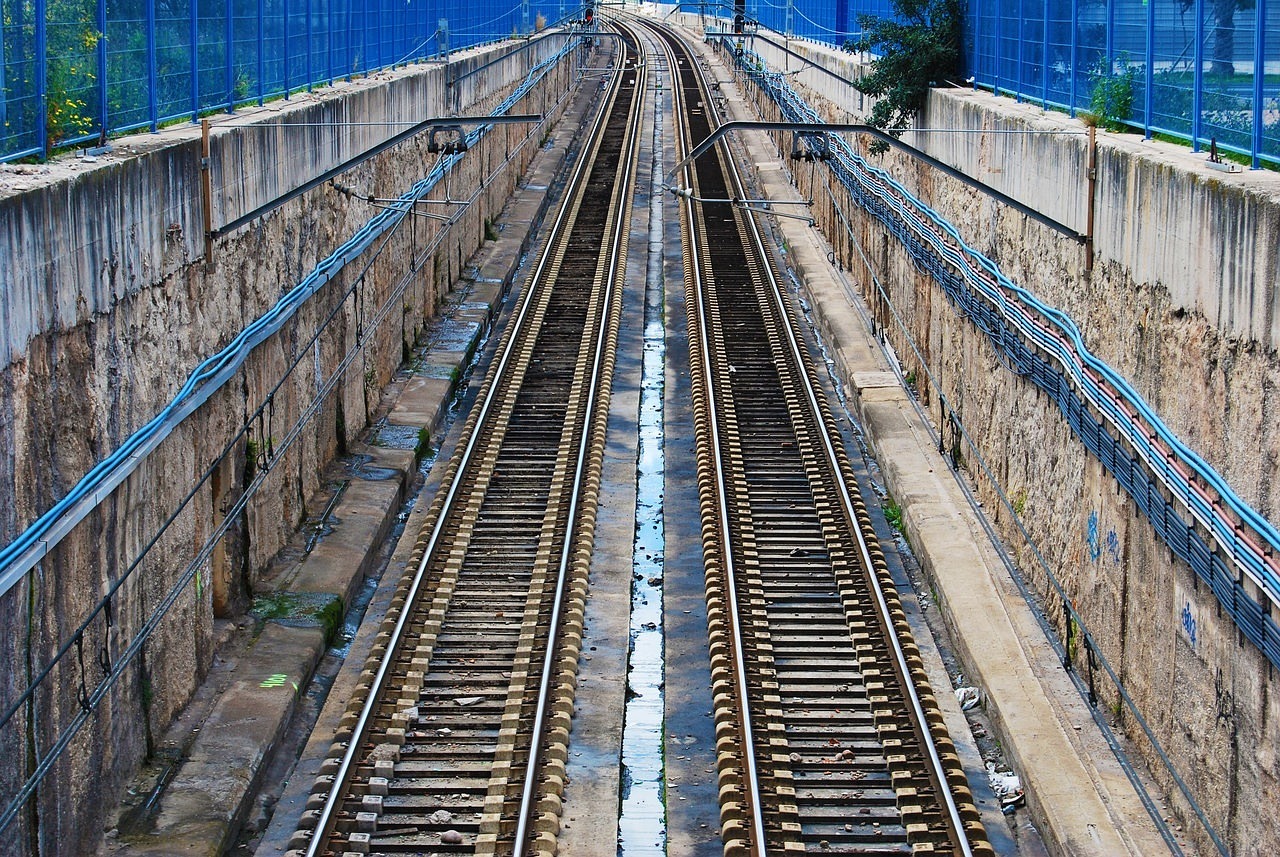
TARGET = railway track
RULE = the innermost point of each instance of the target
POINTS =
(828, 737)
(456, 739)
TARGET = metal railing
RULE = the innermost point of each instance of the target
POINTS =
(1200, 71)
(74, 71)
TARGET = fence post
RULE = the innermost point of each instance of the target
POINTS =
(1259, 73)
(977, 38)
(193, 33)
(1110, 48)
(1022, 19)
(206, 191)
(230, 57)
(100, 51)
(1075, 54)
(262, 42)
(1197, 80)
(310, 74)
(1148, 100)
(153, 72)
(1044, 56)
(42, 80)
(997, 52)
(284, 29)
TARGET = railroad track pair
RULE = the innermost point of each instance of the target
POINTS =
(457, 739)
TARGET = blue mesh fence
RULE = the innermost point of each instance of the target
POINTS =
(830, 21)
(1196, 70)
(72, 71)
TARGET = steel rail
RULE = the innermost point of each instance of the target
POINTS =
(621, 222)
(832, 458)
(833, 461)
(326, 819)
(725, 526)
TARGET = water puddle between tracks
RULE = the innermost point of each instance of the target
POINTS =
(641, 828)
(642, 821)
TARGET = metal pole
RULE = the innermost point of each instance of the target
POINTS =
(230, 60)
(1197, 81)
(310, 72)
(193, 36)
(100, 49)
(153, 72)
(1259, 69)
(1044, 56)
(974, 69)
(1075, 53)
(1148, 102)
(262, 49)
(42, 79)
(206, 191)
(284, 28)
(1092, 174)
(1022, 18)
(1110, 35)
(995, 77)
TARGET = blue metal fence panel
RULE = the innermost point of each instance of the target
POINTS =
(1198, 70)
(73, 70)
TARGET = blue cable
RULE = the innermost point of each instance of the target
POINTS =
(1018, 312)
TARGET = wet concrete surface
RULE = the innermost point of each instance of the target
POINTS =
(693, 810)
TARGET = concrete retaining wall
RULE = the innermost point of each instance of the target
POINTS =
(1182, 301)
(107, 305)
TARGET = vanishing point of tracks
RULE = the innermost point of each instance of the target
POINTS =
(828, 737)
(457, 740)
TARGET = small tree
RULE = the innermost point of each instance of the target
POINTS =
(1221, 16)
(917, 48)
(1111, 100)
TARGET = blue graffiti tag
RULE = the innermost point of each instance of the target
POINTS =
(1113, 546)
(1095, 548)
(1189, 623)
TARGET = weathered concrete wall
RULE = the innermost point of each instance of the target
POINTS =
(107, 306)
(1182, 301)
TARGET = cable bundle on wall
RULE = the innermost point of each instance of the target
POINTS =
(1222, 538)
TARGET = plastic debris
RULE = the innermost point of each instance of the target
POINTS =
(1007, 786)
(968, 697)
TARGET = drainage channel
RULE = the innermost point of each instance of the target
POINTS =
(642, 821)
